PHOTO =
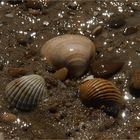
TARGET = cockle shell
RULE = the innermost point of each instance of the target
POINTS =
(71, 51)
(25, 92)
(100, 92)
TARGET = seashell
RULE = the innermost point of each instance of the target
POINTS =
(25, 92)
(100, 92)
(71, 51)
(7, 117)
(61, 74)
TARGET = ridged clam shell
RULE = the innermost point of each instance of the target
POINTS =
(25, 92)
(71, 51)
(98, 92)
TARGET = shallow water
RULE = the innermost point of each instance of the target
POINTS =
(23, 30)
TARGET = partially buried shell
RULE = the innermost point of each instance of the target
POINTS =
(100, 92)
(71, 51)
(25, 92)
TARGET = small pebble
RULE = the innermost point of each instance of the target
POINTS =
(109, 49)
(53, 108)
(135, 83)
(23, 39)
(34, 4)
(68, 134)
(9, 15)
(130, 30)
(14, 1)
(7, 117)
(15, 72)
(116, 22)
(1, 24)
(72, 5)
(61, 74)
(1, 136)
(71, 13)
(34, 12)
(95, 13)
(106, 68)
(1, 67)
(68, 104)
(88, 78)
(30, 53)
(97, 30)
(45, 23)
(82, 125)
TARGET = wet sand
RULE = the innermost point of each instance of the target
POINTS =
(24, 28)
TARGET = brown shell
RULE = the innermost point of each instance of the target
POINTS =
(100, 92)
(71, 51)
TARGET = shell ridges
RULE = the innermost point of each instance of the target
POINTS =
(25, 92)
(97, 92)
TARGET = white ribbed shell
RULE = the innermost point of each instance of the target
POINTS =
(25, 92)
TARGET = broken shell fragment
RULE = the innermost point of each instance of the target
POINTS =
(71, 51)
(25, 92)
